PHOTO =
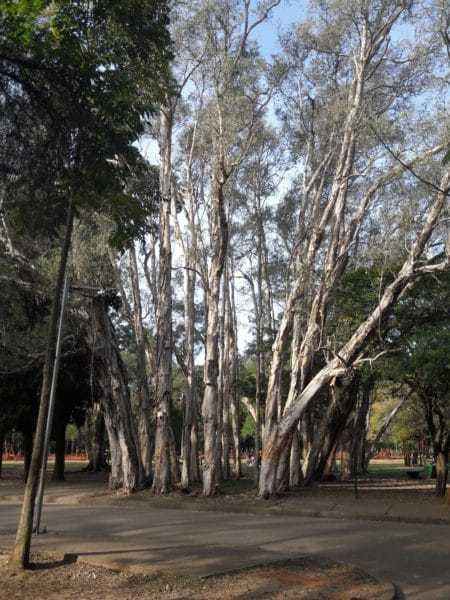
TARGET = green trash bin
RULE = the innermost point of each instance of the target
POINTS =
(430, 471)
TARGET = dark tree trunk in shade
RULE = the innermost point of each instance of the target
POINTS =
(95, 433)
(27, 453)
(343, 401)
(2, 447)
(294, 463)
(441, 473)
(60, 451)
(98, 451)
(359, 431)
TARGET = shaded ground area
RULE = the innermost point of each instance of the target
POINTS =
(78, 484)
(304, 578)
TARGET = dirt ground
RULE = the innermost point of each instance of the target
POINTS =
(53, 578)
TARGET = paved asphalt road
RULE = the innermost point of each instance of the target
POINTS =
(415, 557)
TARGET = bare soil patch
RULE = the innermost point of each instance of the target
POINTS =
(55, 578)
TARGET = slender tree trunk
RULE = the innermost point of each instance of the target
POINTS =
(186, 441)
(190, 466)
(359, 432)
(187, 394)
(234, 388)
(330, 467)
(144, 403)
(174, 465)
(258, 302)
(220, 383)
(115, 475)
(219, 236)
(194, 462)
(346, 456)
(294, 467)
(95, 433)
(98, 450)
(226, 378)
(27, 453)
(20, 556)
(164, 468)
(60, 451)
(2, 447)
(441, 473)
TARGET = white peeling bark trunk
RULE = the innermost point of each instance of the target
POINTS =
(115, 475)
(219, 234)
(116, 398)
(144, 402)
(163, 467)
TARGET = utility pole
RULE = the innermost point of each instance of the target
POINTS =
(51, 410)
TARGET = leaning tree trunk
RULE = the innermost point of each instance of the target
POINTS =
(163, 468)
(20, 556)
(277, 433)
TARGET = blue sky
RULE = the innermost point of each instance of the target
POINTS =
(284, 15)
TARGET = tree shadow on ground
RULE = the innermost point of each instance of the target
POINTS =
(45, 564)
